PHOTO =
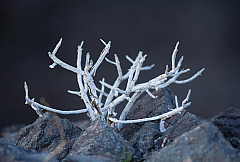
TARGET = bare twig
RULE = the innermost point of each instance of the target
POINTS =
(92, 96)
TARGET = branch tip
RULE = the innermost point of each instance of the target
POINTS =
(92, 96)
(103, 42)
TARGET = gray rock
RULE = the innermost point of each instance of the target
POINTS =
(229, 124)
(85, 158)
(143, 137)
(205, 143)
(148, 107)
(143, 140)
(48, 133)
(100, 139)
(175, 128)
(149, 138)
(11, 153)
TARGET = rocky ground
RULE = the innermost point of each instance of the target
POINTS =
(186, 137)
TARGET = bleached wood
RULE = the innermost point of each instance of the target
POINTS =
(93, 96)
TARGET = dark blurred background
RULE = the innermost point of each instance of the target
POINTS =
(208, 31)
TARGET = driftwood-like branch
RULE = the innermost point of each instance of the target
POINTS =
(162, 117)
(93, 97)
(37, 107)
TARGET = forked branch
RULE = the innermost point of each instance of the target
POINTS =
(92, 96)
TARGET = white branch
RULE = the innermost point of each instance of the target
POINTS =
(132, 71)
(92, 96)
(150, 94)
(147, 67)
(190, 79)
(137, 70)
(162, 128)
(101, 57)
(36, 106)
(128, 107)
(61, 63)
(174, 56)
(162, 117)
(102, 91)
(114, 88)
(111, 62)
(129, 59)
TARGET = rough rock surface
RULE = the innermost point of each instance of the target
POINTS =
(149, 138)
(100, 139)
(203, 143)
(143, 140)
(229, 124)
(184, 137)
(11, 153)
(146, 137)
(48, 133)
(175, 128)
(148, 107)
(85, 158)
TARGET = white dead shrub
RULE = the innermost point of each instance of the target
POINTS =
(92, 96)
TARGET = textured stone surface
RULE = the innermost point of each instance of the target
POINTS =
(149, 138)
(229, 124)
(85, 158)
(48, 133)
(175, 128)
(181, 141)
(143, 140)
(203, 143)
(148, 107)
(100, 139)
(12, 153)
(143, 137)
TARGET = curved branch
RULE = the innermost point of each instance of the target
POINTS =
(36, 106)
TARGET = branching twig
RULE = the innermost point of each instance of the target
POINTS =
(92, 96)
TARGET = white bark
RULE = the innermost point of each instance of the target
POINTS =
(93, 96)
(162, 117)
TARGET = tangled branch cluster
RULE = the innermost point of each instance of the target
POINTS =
(92, 96)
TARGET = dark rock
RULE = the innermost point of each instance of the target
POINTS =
(85, 158)
(153, 139)
(229, 124)
(149, 138)
(203, 143)
(148, 107)
(143, 140)
(11, 153)
(48, 133)
(175, 127)
(100, 139)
